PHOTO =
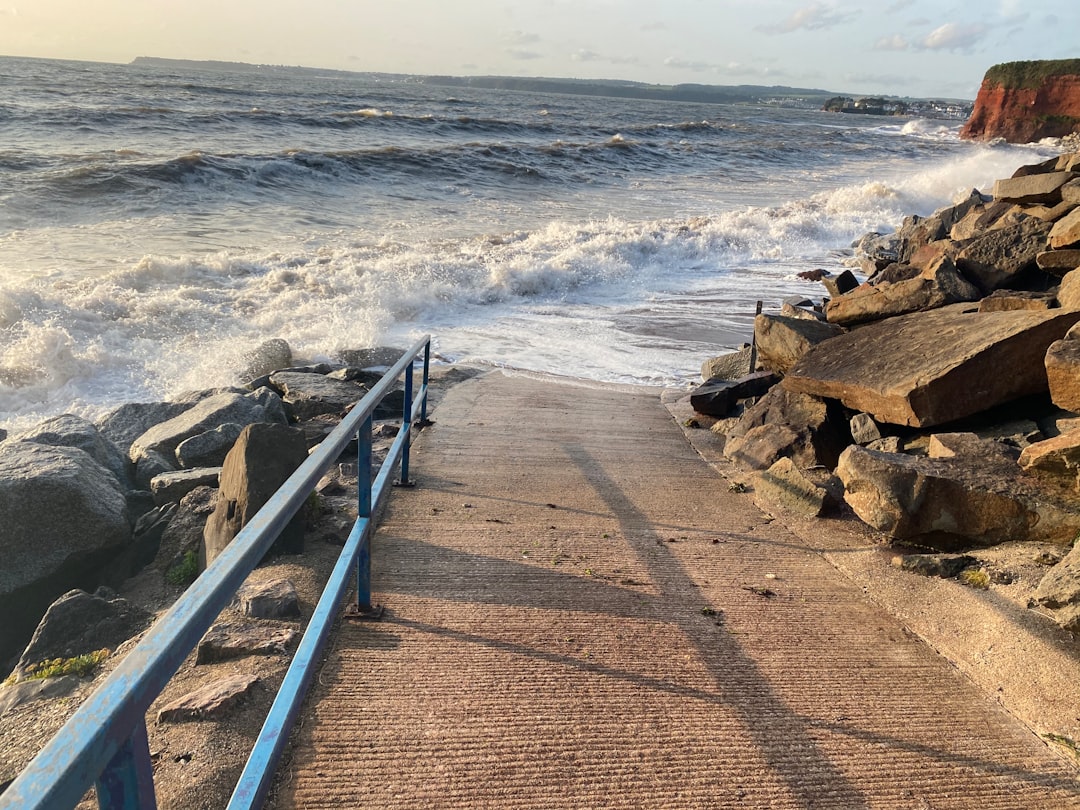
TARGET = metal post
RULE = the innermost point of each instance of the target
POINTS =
(753, 341)
(427, 375)
(406, 422)
(363, 489)
(127, 783)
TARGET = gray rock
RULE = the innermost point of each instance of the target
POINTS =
(729, 366)
(718, 398)
(170, 487)
(211, 701)
(162, 439)
(19, 694)
(125, 424)
(79, 623)
(998, 257)
(945, 566)
(309, 395)
(262, 460)
(207, 449)
(64, 518)
(864, 429)
(74, 431)
(265, 358)
(272, 403)
(276, 599)
(378, 356)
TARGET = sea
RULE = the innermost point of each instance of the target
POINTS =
(157, 223)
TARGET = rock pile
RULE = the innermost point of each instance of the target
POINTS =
(90, 504)
(942, 392)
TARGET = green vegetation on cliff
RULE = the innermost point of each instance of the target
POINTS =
(1029, 75)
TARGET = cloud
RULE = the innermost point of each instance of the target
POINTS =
(522, 54)
(815, 17)
(899, 5)
(878, 79)
(521, 38)
(897, 42)
(585, 55)
(727, 69)
(954, 37)
(683, 64)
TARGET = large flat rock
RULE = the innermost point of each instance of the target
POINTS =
(929, 368)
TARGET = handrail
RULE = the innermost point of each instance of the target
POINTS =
(105, 740)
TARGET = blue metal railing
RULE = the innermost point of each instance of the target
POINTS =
(104, 743)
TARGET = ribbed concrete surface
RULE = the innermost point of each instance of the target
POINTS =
(577, 620)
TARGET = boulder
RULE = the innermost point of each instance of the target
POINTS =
(782, 341)
(944, 566)
(265, 358)
(275, 599)
(261, 461)
(1059, 262)
(183, 530)
(74, 431)
(783, 424)
(207, 449)
(232, 639)
(843, 283)
(64, 519)
(805, 313)
(377, 357)
(949, 503)
(1057, 458)
(718, 398)
(1066, 231)
(309, 395)
(786, 485)
(864, 429)
(170, 487)
(125, 424)
(998, 257)
(1070, 192)
(1033, 189)
(978, 219)
(1068, 294)
(929, 368)
(729, 366)
(939, 285)
(158, 445)
(1006, 300)
(1062, 364)
(1061, 585)
(79, 623)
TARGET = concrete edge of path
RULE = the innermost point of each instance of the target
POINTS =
(1021, 658)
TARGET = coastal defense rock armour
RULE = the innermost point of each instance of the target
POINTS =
(782, 341)
(929, 368)
(1026, 102)
(64, 518)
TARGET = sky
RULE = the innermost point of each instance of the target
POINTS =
(919, 48)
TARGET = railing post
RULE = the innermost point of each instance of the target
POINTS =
(363, 487)
(406, 419)
(127, 783)
(427, 374)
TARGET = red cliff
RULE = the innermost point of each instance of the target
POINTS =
(1027, 101)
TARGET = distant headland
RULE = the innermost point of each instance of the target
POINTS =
(779, 95)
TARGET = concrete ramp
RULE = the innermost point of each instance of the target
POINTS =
(580, 615)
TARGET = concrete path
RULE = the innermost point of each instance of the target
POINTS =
(581, 616)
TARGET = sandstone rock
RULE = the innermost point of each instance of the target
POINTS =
(838, 285)
(789, 311)
(1007, 300)
(1033, 189)
(786, 485)
(864, 429)
(276, 599)
(945, 566)
(782, 424)
(1057, 458)
(1059, 262)
(782, 341)
(210, 701)
(1068, 294)
(718, 397)
(889, 444)
(729, 366)
(980, 218)
(947, 503)
(64, 518)
(1070, 192)
(160, 441)
(79, 623)
(230, 639)
(265, 358)
(936, 286)
(170, 487)
(933, 367)
(996, 258)
(1066, 231)
(1061, 585)
(262, 460)
(1062, 363)
(207, 449)
(309, 395)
